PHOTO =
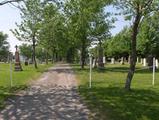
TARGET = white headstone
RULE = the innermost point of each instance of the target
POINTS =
(156, 63)
(144, 62)
(104, 61)
(137, 59)
(112, 61)
(122, 60)
(94, 60)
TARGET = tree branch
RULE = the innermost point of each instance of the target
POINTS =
(148, 3)
(9, 1)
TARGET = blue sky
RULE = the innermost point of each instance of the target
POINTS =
(9, 15)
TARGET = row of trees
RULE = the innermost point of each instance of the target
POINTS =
(63, 29)
(148, 40)
(66, 29)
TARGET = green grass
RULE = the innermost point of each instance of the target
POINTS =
(110, 101)
(20, 79)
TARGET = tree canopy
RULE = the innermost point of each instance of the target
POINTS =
(4, 47)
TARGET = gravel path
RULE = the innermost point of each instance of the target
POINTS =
(52, 97)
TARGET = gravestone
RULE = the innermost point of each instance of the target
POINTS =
(122, 61)
(112, 61)
(17, 66)
(137, 60)
(157, 63)
(104, 60)
(144, 62)
(94, 60)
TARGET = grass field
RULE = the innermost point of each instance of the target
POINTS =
(20, 79)
(110, 101)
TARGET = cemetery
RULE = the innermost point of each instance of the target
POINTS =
(79, 60)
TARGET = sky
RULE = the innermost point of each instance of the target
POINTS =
(9, 15)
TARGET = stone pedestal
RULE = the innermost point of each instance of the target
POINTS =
(17, 66)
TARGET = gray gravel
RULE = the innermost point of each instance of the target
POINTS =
(52, 97)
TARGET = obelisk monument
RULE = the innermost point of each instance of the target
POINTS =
(18, 66)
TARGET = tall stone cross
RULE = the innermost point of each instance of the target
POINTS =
(18, 66)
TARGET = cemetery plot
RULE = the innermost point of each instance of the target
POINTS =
(109, 99)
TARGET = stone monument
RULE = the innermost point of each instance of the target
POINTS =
(18, 66)
(157, 63)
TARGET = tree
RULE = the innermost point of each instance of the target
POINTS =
(52, 32)
(119, 45)
(41, 54)
(25, 50)
(4, 47)
(80, 13)
(136, 9)
(148, 38)
(28, 30)
(100, 32)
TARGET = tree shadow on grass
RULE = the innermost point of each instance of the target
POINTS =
(7, 91)
(117, 104)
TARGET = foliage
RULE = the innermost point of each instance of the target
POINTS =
(119, 45)
(52, 31)
(148, 38)
(4, 47)
(26, 50)
(80, 15)
(135, 10)
(28, 30)
(41, 53)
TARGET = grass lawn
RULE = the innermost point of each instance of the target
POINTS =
(110, 101)
(20, 79)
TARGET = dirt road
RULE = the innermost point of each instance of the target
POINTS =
(52, 97)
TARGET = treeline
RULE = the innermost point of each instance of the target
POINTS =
(64, 30)
(119, 46)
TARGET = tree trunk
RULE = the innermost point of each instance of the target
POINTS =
(56, 56)
(46, 58)
(100, 57)
(34, 57)
(83, 54)
(150, 61)
(95, 64)
(52, 59)
(133, 55)
(122, 61)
